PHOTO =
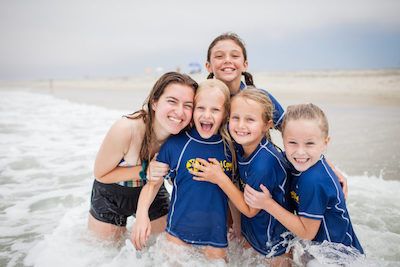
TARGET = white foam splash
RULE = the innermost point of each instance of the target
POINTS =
(47, 150)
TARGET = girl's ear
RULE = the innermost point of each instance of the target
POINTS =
(153, 105)
(326, 141)
(245, 65)
(208, 67)
(268, 125)
(328, 138)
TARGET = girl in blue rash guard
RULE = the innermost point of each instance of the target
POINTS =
(198, 211)
(315, 190)
(258, 163)
(227, 61)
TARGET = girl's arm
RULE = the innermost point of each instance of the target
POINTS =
(236, 222)
(159, 169)
(212, 172)
(112, 150)
(114, 146)
(142, 228)
(303, 227)
(120, 174)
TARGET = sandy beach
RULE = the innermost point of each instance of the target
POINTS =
(374, 88)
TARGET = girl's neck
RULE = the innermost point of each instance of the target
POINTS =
(234, 86)
(249, 149)
(160, 134)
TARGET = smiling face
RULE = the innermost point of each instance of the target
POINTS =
(209, 111)
(304, 143)
(246, 124)
(173, 110)
(227, 62)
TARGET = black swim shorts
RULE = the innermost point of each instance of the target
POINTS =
(113, 203)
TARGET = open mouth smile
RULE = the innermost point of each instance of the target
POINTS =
(206, 126)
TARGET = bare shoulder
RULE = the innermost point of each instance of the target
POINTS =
(125, 127)
(134, 131)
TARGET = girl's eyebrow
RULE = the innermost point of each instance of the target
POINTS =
(223, 51)
(176, 99)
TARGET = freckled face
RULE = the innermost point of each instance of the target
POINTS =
(227, 61)
(304, 143)
(173, 110)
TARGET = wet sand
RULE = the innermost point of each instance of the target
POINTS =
(373, 88)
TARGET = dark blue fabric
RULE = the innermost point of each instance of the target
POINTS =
(198, 210)
(317, 194)
(265, 166)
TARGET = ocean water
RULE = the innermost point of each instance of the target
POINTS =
(47, 151)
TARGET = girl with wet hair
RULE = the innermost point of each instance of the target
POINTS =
(120, 166)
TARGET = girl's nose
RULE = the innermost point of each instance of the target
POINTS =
(300, 150)
(241, 123)
(227, 58)
(179, 110)
(207, 113)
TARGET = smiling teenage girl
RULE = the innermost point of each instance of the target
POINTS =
(133, 140)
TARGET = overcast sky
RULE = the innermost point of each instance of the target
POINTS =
(43, 39)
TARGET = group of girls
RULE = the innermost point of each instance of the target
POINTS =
(224, 152)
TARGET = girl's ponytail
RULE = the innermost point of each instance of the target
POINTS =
(248, 78)
(210, 76)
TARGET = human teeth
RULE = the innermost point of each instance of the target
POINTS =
(301, 160)
(241, 133)
(175, 120)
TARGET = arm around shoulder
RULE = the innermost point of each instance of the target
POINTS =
(212, 172)
(301, 226)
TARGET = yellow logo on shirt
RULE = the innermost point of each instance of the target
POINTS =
(242, 184)
(226, 166)
(294, 196)
(189, 165)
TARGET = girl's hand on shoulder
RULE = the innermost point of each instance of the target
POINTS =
(256, 199)
(207, 171)
(343, 183)
(156, 170)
